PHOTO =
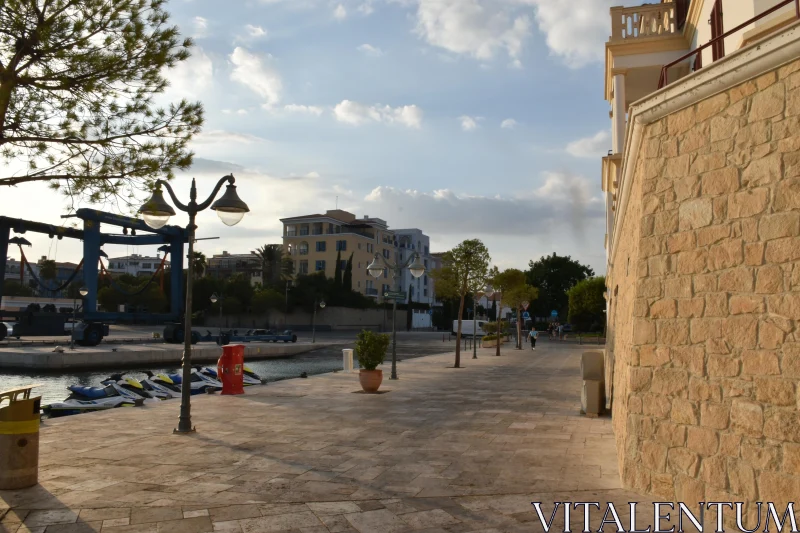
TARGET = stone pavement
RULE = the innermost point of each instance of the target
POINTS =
(441, 450)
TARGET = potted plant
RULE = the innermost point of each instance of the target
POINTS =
(371, 350)
(489, 341)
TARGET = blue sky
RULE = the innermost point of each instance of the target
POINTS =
(465, 118)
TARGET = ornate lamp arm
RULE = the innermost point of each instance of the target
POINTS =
(175, 200)
(410, 260)
(229, 178)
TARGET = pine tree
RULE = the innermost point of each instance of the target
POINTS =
(337, 276)
(347, 278)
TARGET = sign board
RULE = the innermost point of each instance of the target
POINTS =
(525, 305)
(526, 315)
(430, 311)
(394, 294)
(554, 313)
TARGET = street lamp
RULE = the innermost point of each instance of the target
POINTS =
(83, 291)
(375, 269)
(215, 299)
(156, 213)
(321, 305)
(489, 293)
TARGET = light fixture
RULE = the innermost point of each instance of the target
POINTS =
(230, 208)
(375, 269)
(156, 211)
(83, 291)
(322, 305)
(416, 268)
(214, 298)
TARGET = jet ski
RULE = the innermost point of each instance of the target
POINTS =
(200, 383)
(74, 407)
(249, 377)
(161, 383)
(133, 386)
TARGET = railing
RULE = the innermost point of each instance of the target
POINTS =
(663, 80)
(370, 291)
(650, 20)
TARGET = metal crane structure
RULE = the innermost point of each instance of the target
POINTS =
(95, 323)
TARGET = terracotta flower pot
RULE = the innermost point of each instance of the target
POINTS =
(370, 379)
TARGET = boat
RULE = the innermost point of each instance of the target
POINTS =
(249, 378)
(200, 383)
(74, 406)
(129, 385)
(161, 383)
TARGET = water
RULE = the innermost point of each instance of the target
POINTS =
(54, 386)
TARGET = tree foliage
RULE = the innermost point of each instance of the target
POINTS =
(77, 82)
(199, 264)
(465, 270)
(513, 284)
(48, 270)
(586, 304)
(15, 288)
(337, 272)
(150, 300)
(273, 266)
(553, 275)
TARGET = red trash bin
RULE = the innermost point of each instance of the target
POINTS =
(230, 369)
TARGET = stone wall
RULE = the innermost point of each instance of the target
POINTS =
(707, 348)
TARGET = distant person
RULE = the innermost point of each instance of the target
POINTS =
(560, 332)
(533, 335)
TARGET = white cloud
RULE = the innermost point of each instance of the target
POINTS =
(564, 203)
(370, 50)
(591, 147)
(190, 78)
(478, 28)
(508, 124)
(366, 8)
(468, 123)
(355, 114)
(257, 74)
(340, 13)
(576, 30)
(304, 109)
(200, 26)
(515, 64)
(255, 32)
(222, 136)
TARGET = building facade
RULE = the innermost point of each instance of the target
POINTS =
(410, 241)
(703, 245)
(135, 265)
(225, 265)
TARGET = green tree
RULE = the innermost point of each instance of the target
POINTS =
(586, 304)
(347, 277)
(77, 87)
(15, 288)
(238, 287)
(200, 264)
(266, 299)
(553, 275)
(272, 263)
(465, 271)
(337, 272)
(515, 290)
(48, 270)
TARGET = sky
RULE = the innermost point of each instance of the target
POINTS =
(464, 118)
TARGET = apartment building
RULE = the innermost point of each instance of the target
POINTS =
(315, 241)
(226, 264)
(135, 265)
(703, 240)
(409, 242)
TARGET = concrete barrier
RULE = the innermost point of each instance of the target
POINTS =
(102, 357)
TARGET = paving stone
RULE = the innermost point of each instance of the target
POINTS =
(379, 521)
(46, 517)
(200, 524)
(281, 522)
(143, 515)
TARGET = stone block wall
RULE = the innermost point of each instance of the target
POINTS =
(705, 316)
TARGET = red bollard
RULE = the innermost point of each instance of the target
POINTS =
(230, 369)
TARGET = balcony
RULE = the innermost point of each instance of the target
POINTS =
(643, 22)
(371, 291)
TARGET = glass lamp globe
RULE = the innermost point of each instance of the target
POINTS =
(375, 269)
(214, 298)
(83, 291)
(156, 211)
(230, 208)
(417, 269)
(322, 305)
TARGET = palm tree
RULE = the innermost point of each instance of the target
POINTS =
(199, 263)
(271, 263)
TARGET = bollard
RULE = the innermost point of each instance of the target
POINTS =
(347, 359)
(230, 369)
(19, 439)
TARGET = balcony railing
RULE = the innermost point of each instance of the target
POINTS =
(370, 291)
(640, 22)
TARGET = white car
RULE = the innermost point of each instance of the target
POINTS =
(9, 329)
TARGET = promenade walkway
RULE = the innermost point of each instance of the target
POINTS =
(441, 450)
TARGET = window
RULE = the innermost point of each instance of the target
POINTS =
(320, 266)
(425, 292)
(359, 284)
(425, 262)
(321, 245)
(304, 229)
(317, 228)
(386, 254)
(425, 280)
(341, 246)
(718, 48)
(302, 248)
(147, 265)
(426, 250)
(343, 264)
(303, 267)
(385, 272)
(291, 231)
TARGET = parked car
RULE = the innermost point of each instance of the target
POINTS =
(467, 329)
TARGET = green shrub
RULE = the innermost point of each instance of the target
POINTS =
(371, 349)
(489, 337)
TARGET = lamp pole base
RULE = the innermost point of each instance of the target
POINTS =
(179, 431)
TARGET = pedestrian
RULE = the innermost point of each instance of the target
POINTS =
(533, 335)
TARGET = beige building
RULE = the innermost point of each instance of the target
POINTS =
(703, 244)
(314, 241)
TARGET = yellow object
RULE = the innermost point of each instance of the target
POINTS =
(133, 383)
(19, 427)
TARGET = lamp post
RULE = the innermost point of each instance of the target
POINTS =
(83, 291)
(375, 269)
(321, 305)
(156, 212)
(214, 299)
